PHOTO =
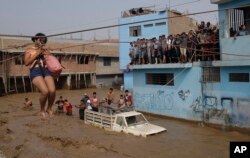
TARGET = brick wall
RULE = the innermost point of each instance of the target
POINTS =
(68, 52)
(180, 24)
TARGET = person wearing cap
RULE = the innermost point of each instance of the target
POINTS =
(83, 105)
(40, 76)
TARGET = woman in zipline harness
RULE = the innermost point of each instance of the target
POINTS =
(40, 76)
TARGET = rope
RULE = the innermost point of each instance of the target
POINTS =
(178, 74)
(5, 60)
(16, 46)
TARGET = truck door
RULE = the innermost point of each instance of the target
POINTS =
(119, 124)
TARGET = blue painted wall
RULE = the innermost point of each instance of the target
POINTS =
(128, 81)
(238, 108)
(228, 45)
(234, 109)
(239, 47)
(147, 32)
(235, 89)
(224, 102)
(183, 100)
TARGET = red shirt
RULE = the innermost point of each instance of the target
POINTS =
(68, 107)
(128, 99)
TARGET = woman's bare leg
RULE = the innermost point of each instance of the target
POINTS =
(42, 87)
(50, 82)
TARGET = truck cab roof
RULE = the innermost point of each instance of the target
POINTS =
(128, 114)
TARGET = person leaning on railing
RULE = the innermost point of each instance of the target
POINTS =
(242, 31)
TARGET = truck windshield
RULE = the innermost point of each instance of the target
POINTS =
(135, 120)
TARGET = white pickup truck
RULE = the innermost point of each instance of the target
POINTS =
(132, 122)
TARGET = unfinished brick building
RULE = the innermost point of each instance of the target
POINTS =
(87, 63)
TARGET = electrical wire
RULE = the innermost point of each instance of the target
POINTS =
(97, 22)
(184, 3)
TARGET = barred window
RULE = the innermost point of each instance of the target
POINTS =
(236, 17)
(160, 23)
(148, 25)
(211, 74)
(160, 79)
(135, 31)
(238, 77)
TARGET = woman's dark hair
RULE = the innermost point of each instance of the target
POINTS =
(39, 35)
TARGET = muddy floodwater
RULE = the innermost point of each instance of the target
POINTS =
(24, 135)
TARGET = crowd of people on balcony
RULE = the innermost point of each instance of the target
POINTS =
(200, 44)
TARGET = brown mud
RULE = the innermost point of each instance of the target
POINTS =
(24, 135)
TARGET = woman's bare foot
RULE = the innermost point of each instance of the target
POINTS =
(43, 116)
(50, 112)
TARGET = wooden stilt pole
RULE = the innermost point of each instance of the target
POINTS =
(15, 84)
(95, 78)
(91, 78)
(70, 85)
(4, 74)
(24, 86)
(76, 80)
(79, 80)
(31, 85)
(85, 82)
